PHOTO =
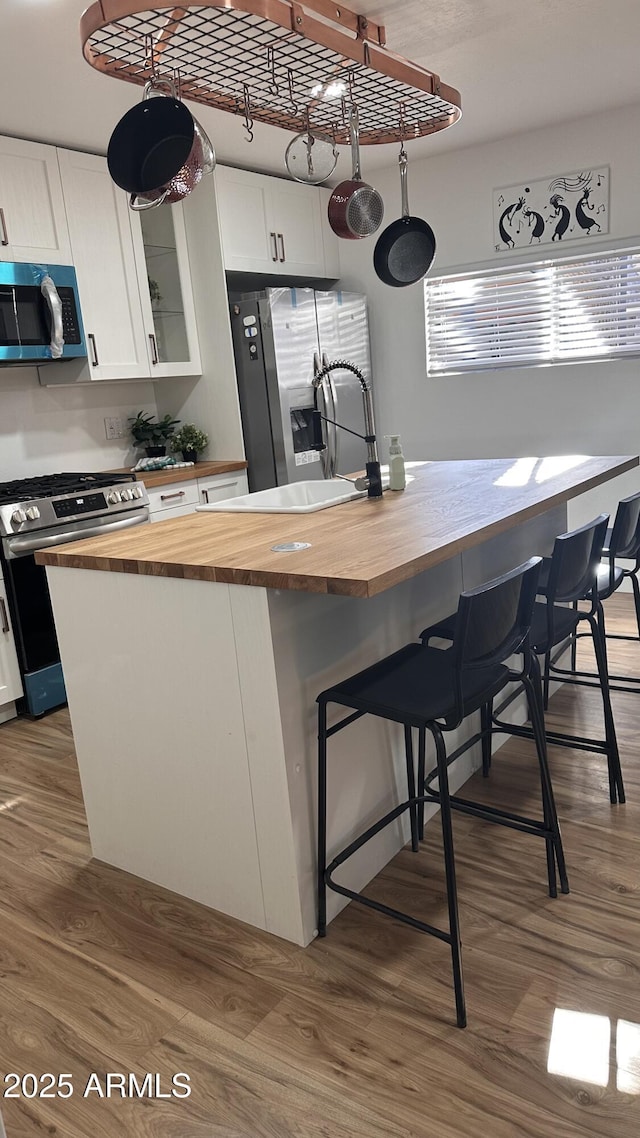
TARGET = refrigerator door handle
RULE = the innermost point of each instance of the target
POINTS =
(335, 436)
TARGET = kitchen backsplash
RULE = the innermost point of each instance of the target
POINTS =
(48, 429)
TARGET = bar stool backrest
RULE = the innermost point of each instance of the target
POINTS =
(625, 535)
(574, 562)
(493, 621)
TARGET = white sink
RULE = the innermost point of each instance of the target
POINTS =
(296, 498)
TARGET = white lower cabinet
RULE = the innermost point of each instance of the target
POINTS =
(10, 682)
(172, 499)
(222, 486)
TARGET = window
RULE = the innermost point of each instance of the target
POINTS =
(561, 311)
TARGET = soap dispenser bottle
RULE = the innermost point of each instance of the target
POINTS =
(397, 478)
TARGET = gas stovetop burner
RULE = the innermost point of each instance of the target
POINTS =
(49, 485)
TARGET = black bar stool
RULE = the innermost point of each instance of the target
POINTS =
(622, 542)
(434, 690)
(571, 574)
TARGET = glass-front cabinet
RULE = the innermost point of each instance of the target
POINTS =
(166, 292)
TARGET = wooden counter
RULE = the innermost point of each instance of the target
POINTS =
(153, 478)
(357, 549)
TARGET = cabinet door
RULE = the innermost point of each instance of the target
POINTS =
(248, 238)
(10, 683)
(294, 215)
(33, 224)
(222, 486)
(103, 254)
(164, 277)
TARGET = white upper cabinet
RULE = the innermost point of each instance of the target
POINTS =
(104, 258)
(33, 225)
(271, 225)
(164, 276)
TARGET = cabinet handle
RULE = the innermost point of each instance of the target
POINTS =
(274, 255)
(178, 494)
(94, 351)
(5, 235)
(154, 348)
(282, 253)
(5, 618)
(205, 495)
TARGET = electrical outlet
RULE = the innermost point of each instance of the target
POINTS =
(114, 428)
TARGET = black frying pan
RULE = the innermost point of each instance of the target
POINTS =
(405, 250)
(150, 144)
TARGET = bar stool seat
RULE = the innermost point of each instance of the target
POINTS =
(416, 685)
(431, 689)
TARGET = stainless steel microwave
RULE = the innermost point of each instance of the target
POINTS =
(39, 314)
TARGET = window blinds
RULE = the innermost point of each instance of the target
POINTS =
(561, 311)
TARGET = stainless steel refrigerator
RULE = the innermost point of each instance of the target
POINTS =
(281, 336)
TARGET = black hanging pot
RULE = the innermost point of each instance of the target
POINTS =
(151, 144)
(405, 250)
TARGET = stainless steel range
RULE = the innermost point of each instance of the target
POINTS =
(52, 510)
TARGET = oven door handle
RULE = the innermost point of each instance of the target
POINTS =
(19, 546)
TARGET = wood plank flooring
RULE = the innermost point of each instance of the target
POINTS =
(353, 1037)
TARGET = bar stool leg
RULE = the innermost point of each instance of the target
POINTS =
(574, 643)
(450, 872)
(545, 682)
(422, 770)
(322, 817)
(486, 720)
(555, 851)
(616, 786)
(411, 788)
(636, 596)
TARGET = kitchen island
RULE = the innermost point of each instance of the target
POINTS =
(193, 654)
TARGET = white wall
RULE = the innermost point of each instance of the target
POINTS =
(581, 408)
(48, 429)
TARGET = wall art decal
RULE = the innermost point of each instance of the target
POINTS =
(551, 210)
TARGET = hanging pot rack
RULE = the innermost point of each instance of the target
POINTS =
(274, 61)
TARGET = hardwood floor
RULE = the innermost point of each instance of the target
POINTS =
(353, 1037)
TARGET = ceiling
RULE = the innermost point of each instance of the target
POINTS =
(518, 66)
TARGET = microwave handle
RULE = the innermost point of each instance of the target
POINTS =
(50, 293)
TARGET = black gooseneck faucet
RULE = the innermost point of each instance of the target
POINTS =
(372, 483)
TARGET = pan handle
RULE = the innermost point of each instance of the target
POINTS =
(404, 186)
(137, 202)
(354, 132)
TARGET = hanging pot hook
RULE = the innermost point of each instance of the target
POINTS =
(290, 85)
(271, 64)
(248, 119)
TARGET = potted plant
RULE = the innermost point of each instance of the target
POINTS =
(190, 440)
(152, 434)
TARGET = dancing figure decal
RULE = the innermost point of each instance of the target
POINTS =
(562, 208)
(583, 220)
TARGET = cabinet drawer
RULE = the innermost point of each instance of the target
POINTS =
(173, 494)
(221, 486)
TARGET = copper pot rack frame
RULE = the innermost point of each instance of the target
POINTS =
(276, 61)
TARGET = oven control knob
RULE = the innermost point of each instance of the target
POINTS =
(113, 497)
(33, 513)
(136, 491)
(18, 516)
(126, 495)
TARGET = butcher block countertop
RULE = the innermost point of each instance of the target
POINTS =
(153, 478)
(360, 548)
